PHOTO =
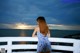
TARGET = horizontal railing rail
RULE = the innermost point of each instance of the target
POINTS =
(9, 47)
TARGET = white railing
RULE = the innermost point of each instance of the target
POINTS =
(9, 47)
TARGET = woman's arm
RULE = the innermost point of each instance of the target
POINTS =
(49, 33)
(35, 30)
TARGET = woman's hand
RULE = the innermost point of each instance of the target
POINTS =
(34, 35)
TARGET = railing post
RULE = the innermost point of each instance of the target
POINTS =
(76, 46)
(9, 50)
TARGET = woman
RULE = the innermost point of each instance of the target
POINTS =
(43, 33)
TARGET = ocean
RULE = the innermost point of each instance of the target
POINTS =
(28, 32)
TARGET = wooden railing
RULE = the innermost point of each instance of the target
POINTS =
(9, 47)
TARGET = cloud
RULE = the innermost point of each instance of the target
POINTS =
(54, 20)
(27, 26)
(16, 26)
(64, 27)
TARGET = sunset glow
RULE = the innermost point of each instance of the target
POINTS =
(22, 26)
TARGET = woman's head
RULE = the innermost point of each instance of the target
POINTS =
(40, 18)
(42, 25)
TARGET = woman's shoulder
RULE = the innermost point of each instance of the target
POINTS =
(37, 28)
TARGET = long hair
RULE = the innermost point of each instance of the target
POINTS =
(42, 25)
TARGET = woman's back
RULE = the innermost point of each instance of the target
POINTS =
(43, 42)
(41, 37)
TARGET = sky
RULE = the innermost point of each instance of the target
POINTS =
(65, 14)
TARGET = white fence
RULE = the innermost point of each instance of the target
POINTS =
(9, 47)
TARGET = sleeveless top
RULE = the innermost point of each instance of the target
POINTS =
(42, 39)
(43, 43)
